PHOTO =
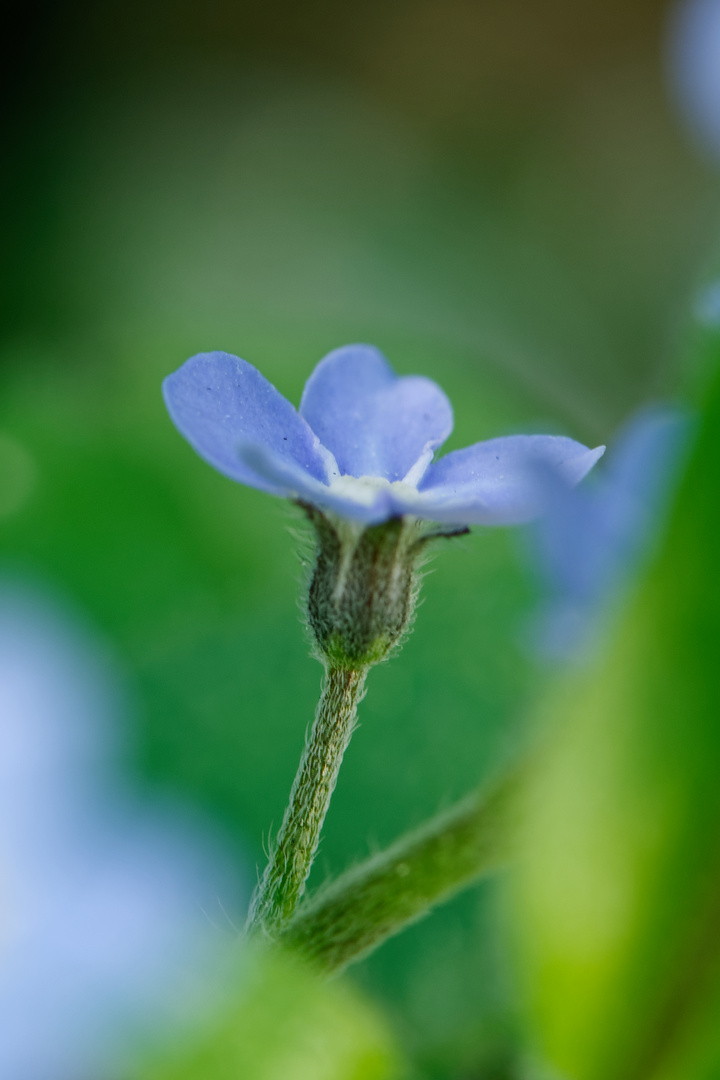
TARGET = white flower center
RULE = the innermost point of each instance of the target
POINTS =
(363, 489)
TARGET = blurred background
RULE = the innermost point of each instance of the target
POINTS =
(518, 199)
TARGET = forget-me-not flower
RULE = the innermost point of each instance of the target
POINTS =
(360, 450)
(103, 935)
(361, 445)
(592, 539)
(693, 55)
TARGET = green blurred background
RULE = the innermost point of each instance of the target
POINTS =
(500, 196)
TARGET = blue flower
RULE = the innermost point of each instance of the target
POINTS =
(592, 540)
(361, 445)
(104, 941)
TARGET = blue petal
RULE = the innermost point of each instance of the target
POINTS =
(591, 535)
(501, 481)
(592, 541)
(218, 401)
(375, 423)
(295, 482)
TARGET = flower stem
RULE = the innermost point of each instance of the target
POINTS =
(351, 916)
(283, 881)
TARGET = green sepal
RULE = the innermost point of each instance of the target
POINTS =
(363, 588)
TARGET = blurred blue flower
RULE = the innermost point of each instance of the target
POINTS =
(103, 936)
(362, 443)
(707, 306)
(694, 68)
(592, 539)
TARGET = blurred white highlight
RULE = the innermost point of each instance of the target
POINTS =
(103, 931)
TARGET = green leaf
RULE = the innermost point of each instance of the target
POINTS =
(617, 898)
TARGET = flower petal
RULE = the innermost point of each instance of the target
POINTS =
(218, 401)
(592, 538)
(294, 482)
(501, 481)
(591, 542)
(375, 423)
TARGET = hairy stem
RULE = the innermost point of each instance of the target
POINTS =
(283, 882)
(355, 913)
